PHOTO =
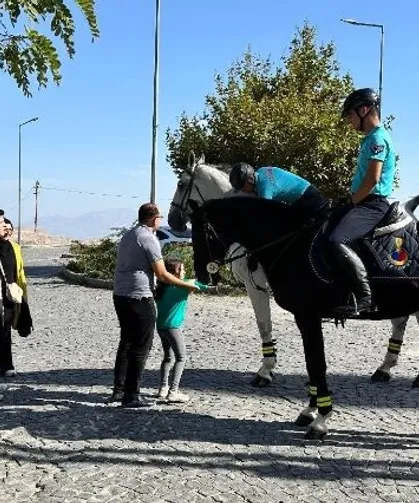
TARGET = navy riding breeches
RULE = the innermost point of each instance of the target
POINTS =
(360, 220)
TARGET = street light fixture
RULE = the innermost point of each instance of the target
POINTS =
(19, 228)
(381, 27)
(155, 102)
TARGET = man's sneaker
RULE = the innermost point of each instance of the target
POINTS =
(162, 393)
(177, 397)
(135, 402)
(116, 396)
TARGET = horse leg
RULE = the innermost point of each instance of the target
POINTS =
(261, 306)
(310, 326)
(383, 374)
(415, 383)
(309, 414)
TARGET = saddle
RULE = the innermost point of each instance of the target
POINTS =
(389, 252)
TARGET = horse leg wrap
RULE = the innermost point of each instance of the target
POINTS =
(394, 346)
(269, 349)
(324, 404)
(269, 360)
(392, 356)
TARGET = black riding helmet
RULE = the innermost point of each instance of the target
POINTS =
(360, 97)
(239, 174)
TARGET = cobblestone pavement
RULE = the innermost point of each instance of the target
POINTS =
(232, 443)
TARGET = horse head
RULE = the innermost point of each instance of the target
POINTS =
(199, 182)
(207, 248)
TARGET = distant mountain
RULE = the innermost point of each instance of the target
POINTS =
(95, 224)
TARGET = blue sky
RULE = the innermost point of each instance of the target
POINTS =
(94, 130)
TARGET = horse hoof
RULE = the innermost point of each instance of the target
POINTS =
(303, 420)
(314, 434)
(260, 382)
(415, 383)
(380, 376)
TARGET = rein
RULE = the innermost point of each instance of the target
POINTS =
(290, 238)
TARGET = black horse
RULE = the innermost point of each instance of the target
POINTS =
(293, 253)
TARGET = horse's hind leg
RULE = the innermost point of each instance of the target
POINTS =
(415, 383)
(383, 374)
(256, 288)
(310, 326)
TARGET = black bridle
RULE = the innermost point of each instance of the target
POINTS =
(288, 239)
(183, 205)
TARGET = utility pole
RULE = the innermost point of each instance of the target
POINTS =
(380, 74)
(155, 102)
(19, 228)
(35, 222)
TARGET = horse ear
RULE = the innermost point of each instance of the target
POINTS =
(191, 162)
(201, 160)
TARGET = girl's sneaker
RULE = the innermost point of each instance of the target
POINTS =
(163, 391)
(177, 397)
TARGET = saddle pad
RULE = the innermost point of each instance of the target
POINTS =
(392, 256)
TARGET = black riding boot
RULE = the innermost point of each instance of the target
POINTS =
(352, 265)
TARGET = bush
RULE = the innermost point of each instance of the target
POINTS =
(95, 260)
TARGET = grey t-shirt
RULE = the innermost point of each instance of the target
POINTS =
(137, 250)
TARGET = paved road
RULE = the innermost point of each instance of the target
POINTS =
(231, 443)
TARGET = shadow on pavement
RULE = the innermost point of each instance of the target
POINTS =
(224, 440)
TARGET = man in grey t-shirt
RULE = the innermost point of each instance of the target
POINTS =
(139, 258)
(138, 249)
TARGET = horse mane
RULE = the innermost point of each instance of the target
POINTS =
(224, 169)
(216, 173)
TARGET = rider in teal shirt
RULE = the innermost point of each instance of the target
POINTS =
(367, 203)
(376, 145)
(280, 185)
(276, 183)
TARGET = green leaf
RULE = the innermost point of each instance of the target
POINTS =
(30, 54)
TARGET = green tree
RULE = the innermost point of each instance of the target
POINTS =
(25, 51)
(286, 115)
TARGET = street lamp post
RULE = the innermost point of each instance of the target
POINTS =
(155, 102)
(19, 228)
(381, 27)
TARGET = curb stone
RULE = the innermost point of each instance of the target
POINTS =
(84, 280)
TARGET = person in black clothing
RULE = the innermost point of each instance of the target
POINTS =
(8, 260)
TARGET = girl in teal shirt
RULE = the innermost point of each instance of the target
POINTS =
(171, 311)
